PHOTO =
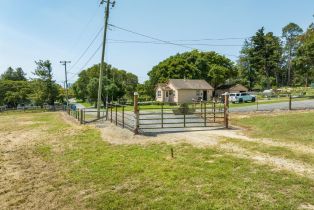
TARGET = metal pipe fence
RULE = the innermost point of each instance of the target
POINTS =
(189, 115)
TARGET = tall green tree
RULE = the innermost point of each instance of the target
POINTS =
(261, 58)
(47, 87)
(212, 67)
(15, 75)
(13, 93)
(304, 60)
(247, 74)
(290, 33)
(117, 84)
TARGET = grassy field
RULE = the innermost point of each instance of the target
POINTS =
(287, 127)
(49, 162)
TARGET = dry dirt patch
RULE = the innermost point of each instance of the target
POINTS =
(26, 180)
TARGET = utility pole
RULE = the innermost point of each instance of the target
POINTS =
(66, 79)
(103, 56)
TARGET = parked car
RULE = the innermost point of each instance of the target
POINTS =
(241, 97)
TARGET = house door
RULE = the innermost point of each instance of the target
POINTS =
(204, 95)
(166, 96)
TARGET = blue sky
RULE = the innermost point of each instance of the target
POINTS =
(62, 29)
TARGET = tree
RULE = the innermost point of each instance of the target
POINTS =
(15, 75)
(247, 73)
(116, 83)
(46, 87)
(13, 93)
(261, 58)
(290, 33)
(146, 91)
(304, 61)
(212, 67)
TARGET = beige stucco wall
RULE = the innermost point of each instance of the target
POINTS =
(186, 96)
(160, 99)
(180, 96)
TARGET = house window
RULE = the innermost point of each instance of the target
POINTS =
(159, 94)
(199, 93)
(167, 94)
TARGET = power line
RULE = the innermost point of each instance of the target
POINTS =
(117, 41)
(150, 37)
(85, 51)
(211, 39)
(86, 63)
(84, 29)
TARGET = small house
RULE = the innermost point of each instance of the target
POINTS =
(184, 91)
(234, 88)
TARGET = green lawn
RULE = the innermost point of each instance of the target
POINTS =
(84, 170)
(292, 127)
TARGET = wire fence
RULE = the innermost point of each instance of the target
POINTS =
(33, 108)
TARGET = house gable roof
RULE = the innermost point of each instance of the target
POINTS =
(232, 86)
(190, 84)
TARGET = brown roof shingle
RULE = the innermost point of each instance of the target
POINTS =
(190, 84)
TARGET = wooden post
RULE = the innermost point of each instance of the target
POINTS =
(122, 116)
(205, 118)
(116, 114)
(162, 115)
(184, 119)
(111, 113)
(214, 111)
(290, 102)
(226, 111)
(172, 153)
(81, 119)
(136, 112)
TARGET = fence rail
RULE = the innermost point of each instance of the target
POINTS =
(141, 118)
(33, 108)
(192, 115)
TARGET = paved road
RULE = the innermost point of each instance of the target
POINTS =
(308, 104)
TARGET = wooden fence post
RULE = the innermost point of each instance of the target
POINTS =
(214, 111)
(226, 110)
(116, 114)
(205, 117)
(162, 115)
(184, 119)
(111, 113)
(290, 102)
(136, 112)
(81, 119)
(122, 116)
(84, 116)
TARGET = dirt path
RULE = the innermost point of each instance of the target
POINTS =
(215, 138)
